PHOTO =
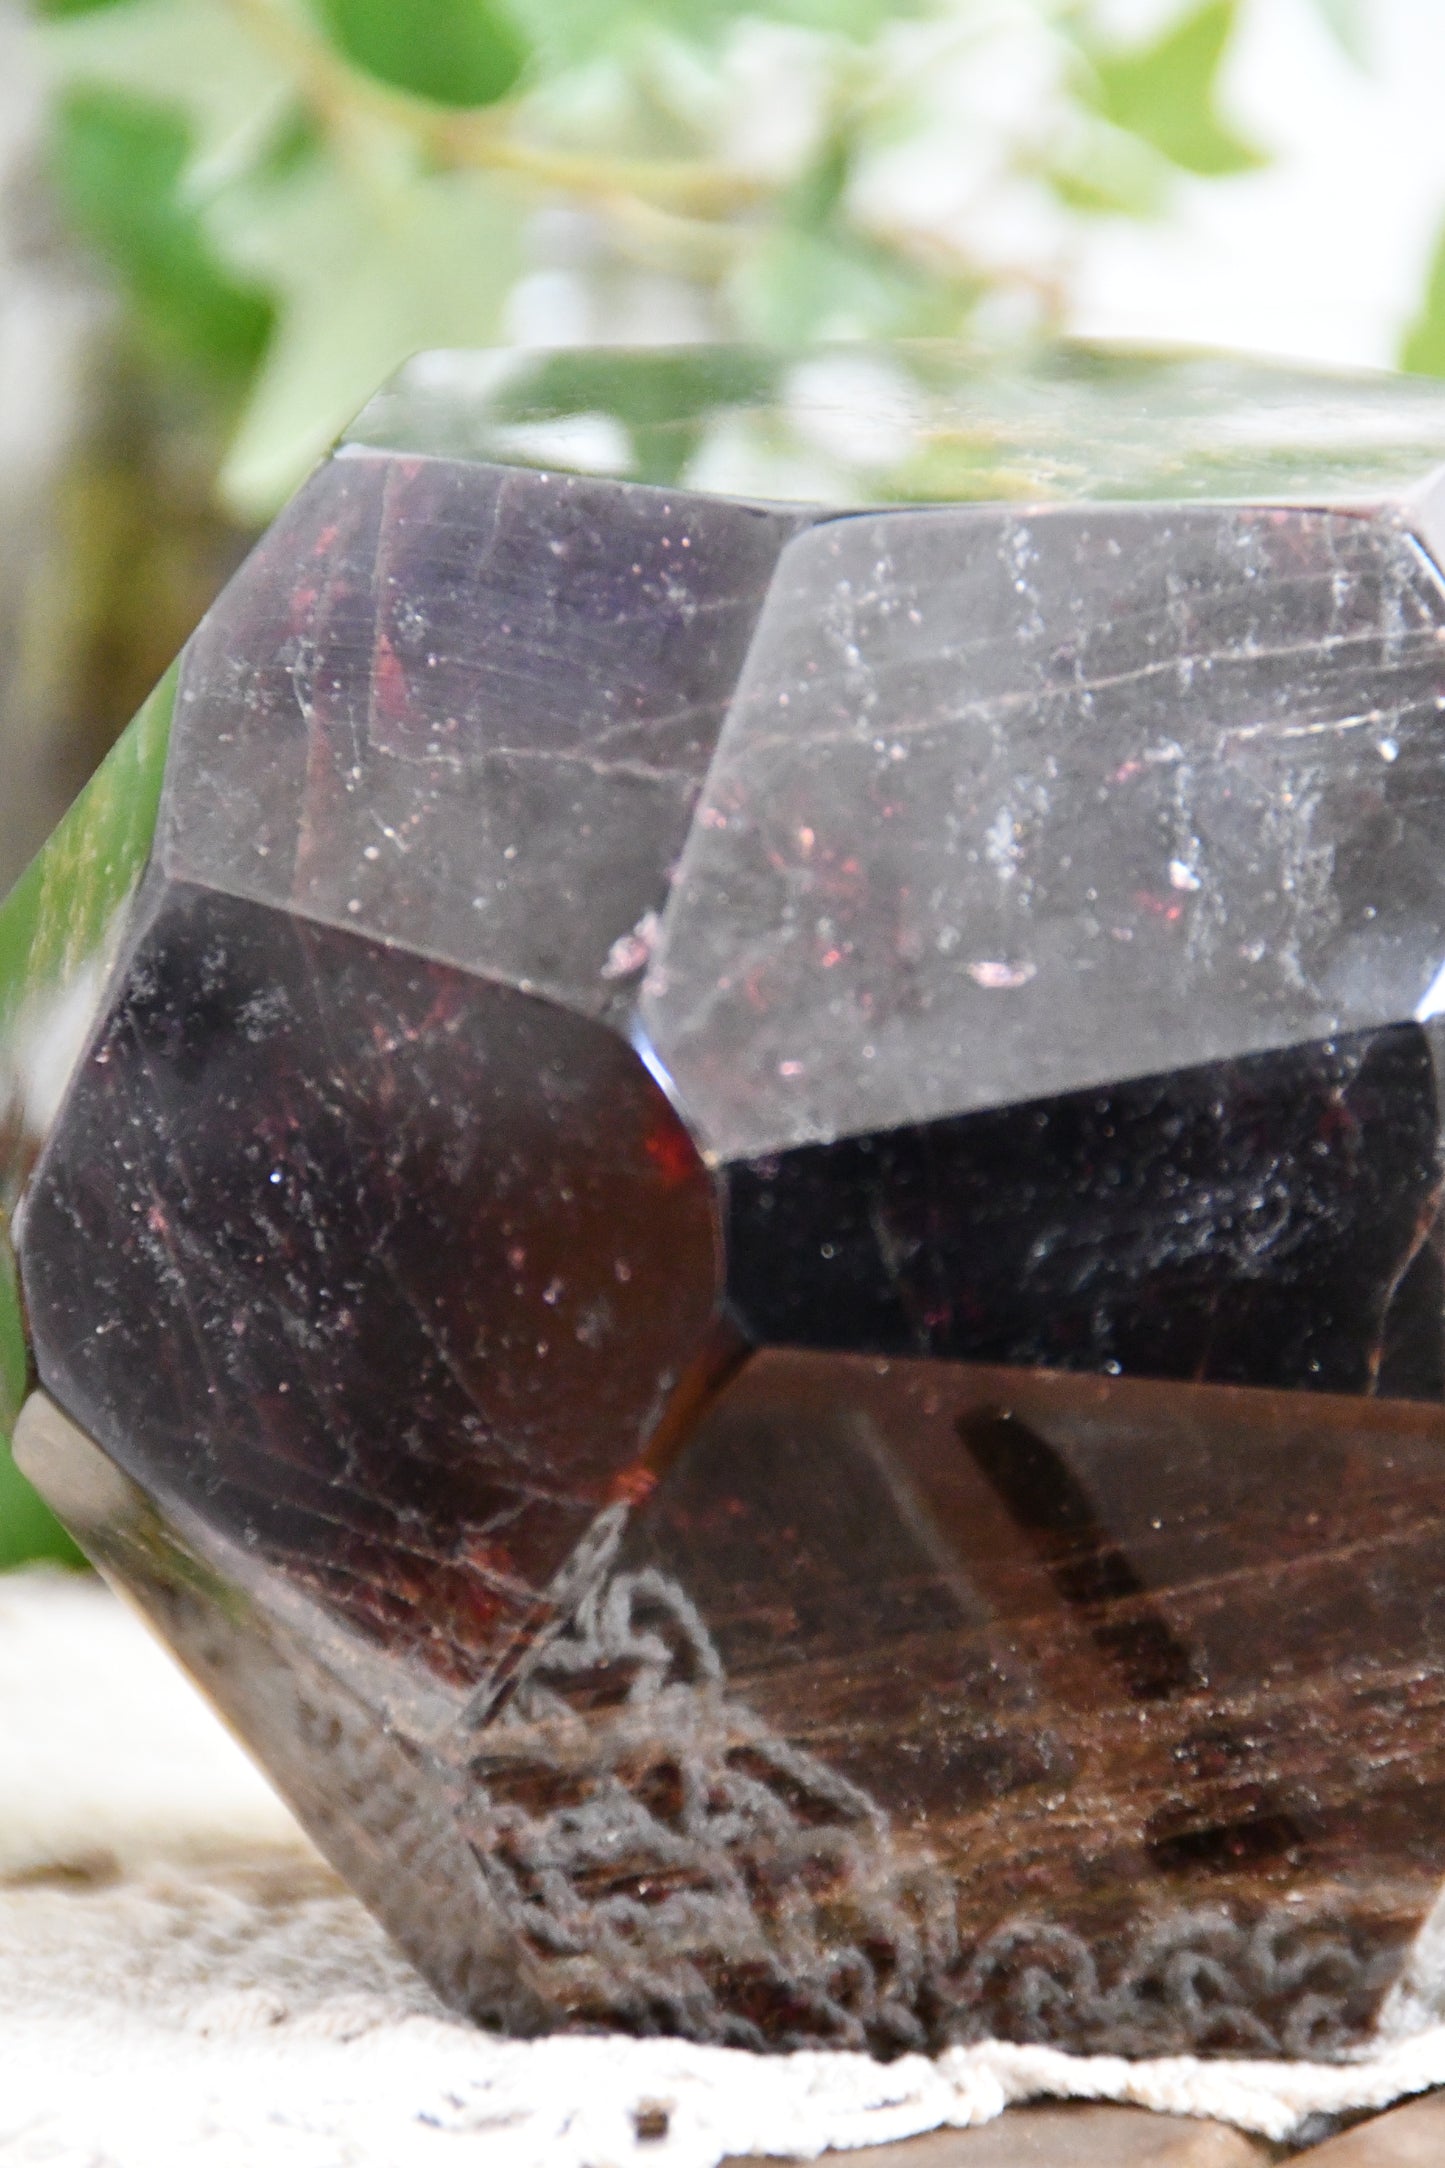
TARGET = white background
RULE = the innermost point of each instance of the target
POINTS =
(1324, 254)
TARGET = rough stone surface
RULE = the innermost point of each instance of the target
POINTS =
(748, 1251)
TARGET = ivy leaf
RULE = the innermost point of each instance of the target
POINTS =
(796, 286)
(1423, 347)
(1346, 20)
(119, 164)
(815, 201)
(814, 275)
(1164, 93)
(28, 1528)
(57, 10)
(194, 56)
(571, 31)
(455, 52)
(1107, 171)
(365, 271)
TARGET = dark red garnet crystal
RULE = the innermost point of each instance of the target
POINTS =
(748, 1255)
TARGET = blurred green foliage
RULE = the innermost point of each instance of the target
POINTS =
(1424, 346)
(122, 165)
(458, 52)
(1160, 94)
(296, 194)
(29, 1531)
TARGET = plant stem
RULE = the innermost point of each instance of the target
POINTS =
(337, 93)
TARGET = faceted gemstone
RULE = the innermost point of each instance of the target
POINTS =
(467, 710)
(418, 1292)
(1143, 787)
(747, 1248)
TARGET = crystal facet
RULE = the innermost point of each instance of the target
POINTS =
(748, 1251)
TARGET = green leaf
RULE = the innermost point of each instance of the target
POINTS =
(1423, 347)
(1164, 93)
(366, 272)
(815, 201)
(796, 286)
(1346, 20)
(58, 10)
(196, 57)
(1105, 170)
(54, 920)
(118, 165)
(456, 52)
(814, 275)
(54, 926)
(28, 1528)
(569, 31)
(857, 19)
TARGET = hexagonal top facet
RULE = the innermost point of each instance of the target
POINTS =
(922, 422)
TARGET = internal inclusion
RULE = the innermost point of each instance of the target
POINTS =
(666, 1858)
(926, 1677)
(680, 1867)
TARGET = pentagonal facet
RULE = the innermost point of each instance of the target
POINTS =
(390, 1272)
(468, 711)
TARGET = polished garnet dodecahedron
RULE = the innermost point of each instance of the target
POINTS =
(748, 1249)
